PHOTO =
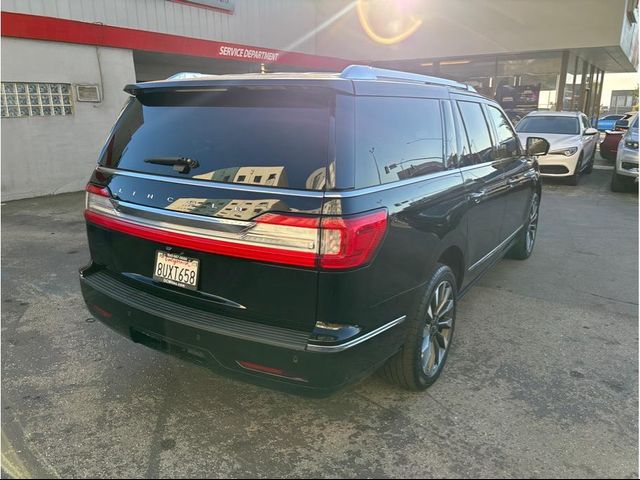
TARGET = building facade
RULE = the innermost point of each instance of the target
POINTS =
(623, 101)
(65, 62)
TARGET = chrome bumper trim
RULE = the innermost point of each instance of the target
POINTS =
(314, 347)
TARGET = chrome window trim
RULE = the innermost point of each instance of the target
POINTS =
(282, 191)
(313, 347)
(218, 185)
(495, 250)
(388, 186)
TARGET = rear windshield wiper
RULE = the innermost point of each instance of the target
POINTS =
(179, 164)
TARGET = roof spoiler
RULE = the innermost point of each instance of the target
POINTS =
(134, 88)
(365, 72)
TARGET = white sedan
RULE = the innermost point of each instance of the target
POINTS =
(571, 138)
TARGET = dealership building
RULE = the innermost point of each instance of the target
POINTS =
(65, 62)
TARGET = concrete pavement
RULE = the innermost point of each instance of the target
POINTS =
(542, 379)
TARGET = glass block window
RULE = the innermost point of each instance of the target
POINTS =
(35, 99)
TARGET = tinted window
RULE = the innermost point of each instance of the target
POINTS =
(397, 138)
(508, 144)
(635, 123)
(238, 135)
(450, 138)
(477, 130)
(549, 124)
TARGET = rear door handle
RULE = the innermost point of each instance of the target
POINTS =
(478, 196)
(512, 182)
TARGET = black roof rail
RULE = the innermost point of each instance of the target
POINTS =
(365, 72)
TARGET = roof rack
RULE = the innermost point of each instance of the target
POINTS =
(365, 72)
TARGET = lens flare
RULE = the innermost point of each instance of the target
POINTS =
(363, 9)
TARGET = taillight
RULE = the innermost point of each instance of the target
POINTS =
(348, 242)
(98, 199)
(330, 243)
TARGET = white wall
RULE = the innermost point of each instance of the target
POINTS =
(47, 155)
(263, 23)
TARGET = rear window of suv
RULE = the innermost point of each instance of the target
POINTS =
(257, 136)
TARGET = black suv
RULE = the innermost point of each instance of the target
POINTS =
(304, 229)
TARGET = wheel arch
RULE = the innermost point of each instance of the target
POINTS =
(453, 257)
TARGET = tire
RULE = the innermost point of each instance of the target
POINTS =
(617, 183)
(575, 178)
(526, 238)
(592, 160)
(406, 368)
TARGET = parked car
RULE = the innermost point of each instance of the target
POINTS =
(624, 122)
(305, 229)
(626, 170)
(573, 142)
(609, 144)
(608, 122)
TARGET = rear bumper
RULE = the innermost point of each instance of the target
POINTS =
(237, 347)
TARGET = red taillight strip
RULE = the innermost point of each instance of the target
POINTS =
(360, 237)
(276, 372)
(101, 191)
(208, 245)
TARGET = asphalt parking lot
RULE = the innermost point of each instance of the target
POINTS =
(541, 379)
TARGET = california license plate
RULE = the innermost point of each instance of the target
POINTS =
(176, 270)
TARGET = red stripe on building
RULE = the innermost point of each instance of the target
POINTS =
(35, 27)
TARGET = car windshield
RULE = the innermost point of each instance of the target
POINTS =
(549, 124)
(635, 123)
(612, 117)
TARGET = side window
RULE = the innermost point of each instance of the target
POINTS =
(585, 122)
(397, 138)
(451, 156)
(508, 144)
(475, 125)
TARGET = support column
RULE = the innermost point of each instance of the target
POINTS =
(573, 88)
(562, 81)
(588, 106)
(579, 104)
(599, 94)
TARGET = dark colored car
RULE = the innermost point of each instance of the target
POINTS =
(304, 229)
(609, 144)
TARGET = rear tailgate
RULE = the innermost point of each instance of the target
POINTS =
(231, 177)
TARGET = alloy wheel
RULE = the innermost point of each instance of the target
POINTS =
(438, 328)
(532, 226)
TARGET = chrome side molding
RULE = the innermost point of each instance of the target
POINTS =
(495, 250)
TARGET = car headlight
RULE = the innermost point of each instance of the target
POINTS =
(631, 144)
(567, 152)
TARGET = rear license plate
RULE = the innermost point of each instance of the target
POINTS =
(176, 270)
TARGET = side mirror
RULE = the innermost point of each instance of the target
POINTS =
(622, 125)
(590, 131)
(537, 146)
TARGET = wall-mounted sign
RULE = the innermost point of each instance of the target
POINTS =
(245, 53)
(227, 5)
